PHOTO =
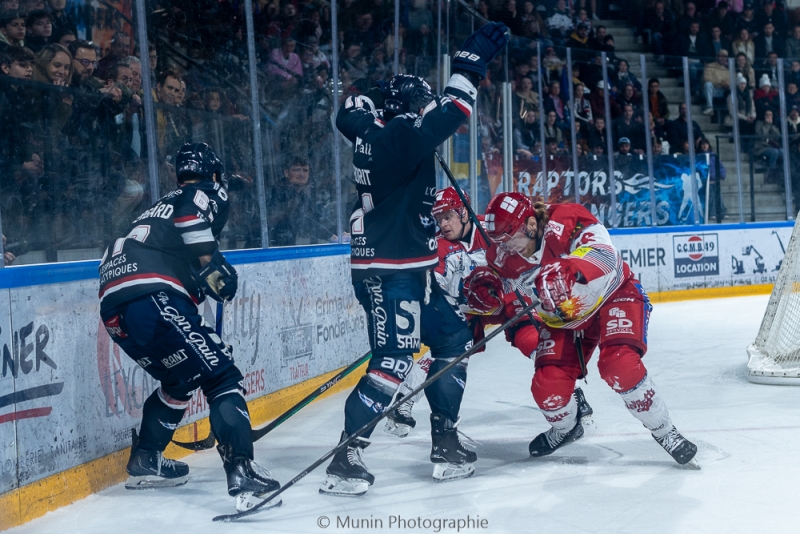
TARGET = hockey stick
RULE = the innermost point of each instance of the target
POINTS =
(431, 379)
(258, 433)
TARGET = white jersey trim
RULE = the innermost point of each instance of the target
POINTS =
(198, 236)
(394, 266)
(145, 281)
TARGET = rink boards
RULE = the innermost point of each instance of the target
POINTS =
(69, 398)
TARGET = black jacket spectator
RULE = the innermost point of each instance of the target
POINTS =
(778, 45)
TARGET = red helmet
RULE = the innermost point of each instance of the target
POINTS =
(447, 200)
(505, 213)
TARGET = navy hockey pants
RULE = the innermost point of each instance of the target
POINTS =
(166, 335)
(398, 322)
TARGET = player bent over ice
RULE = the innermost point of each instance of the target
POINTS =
(588, 298)
(463, 274)
(394, 131)
(151, 281)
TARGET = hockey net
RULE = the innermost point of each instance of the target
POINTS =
(774, 357)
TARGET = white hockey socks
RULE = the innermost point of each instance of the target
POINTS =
(648, 407)
(416, 376)
(563, 419)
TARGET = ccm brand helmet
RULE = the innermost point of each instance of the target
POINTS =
(505, 214)
(197, 160)
(447, 200)
(405, 94)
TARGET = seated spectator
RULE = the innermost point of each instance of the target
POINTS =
(525, 97)
(12, 28)
(793, 75)
(597, 101)
(744, 45)
(39, 26)
(793, 94)
(597, 135)
(713, 44)
(690, 46)
(583, 109)
(554, 102)
(559, 23)
(284, 65)
(592, 74)
(768, 145)
(745, 108)
(660, 21)
(793, 43)
(535, 28)
(626, 77)
(551, 128)
(596, 42)
(66, 38)
(768, 14)
(626, 127)
(747, 20)
(552, 148)
(629, 97)
(354, 63)
(716, 81)
(579, 40)
(769, 68)
(624, 147)
(659, 107)
(121, 47)
(769, 42)
(766, 98)
(690, 15)
(793, 126)
(725, 19)
(744, 67)
(583, 18)
(63, 23)
(508, 15)
(552, 65)
(678, 130)
(526, 135)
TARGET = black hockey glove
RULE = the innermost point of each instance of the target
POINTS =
(218, 278)
(480, 48)
(377, 93)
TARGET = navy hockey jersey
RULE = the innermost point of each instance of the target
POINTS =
(391, 226)
(160, 249)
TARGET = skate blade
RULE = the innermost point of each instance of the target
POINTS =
(691, 465)
(395, 429)
(340, 487)
(247, 500)
(589, 426)
(154, 481)
(448, 472)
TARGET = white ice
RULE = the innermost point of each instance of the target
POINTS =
(614, 480)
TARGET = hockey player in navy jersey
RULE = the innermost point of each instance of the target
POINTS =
(394, 132)
(151, 281)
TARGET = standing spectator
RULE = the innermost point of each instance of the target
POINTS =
(39, 25)
(626, 77)
(744, 45)
(63, 23)
(678, 132)
(659, 107)
(769, 42)
(768, 143)
(793, 44)
(661, 24)
(716, 81)
(120, 49)
(716, 173)
(766, 98)
(12, 28)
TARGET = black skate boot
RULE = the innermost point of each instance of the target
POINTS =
(548, 442)
(250, 483)
(680, 448)
(452, 459)
(149, 469)
(400, 422)
(583, 406)
(348, 476)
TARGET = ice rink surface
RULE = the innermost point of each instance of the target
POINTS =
(616, 479)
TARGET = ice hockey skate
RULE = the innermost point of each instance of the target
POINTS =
(348, 475)
(451, 459)
(680, 448)
(251, 484)
(149, 469)
(586, 411)
(400, 422)
(548, 442)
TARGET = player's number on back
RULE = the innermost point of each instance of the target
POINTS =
(139, 234)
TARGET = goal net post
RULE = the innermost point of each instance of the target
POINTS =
(774, 357)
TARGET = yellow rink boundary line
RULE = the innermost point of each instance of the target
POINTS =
(36, 499)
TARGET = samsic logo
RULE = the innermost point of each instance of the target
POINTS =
(696, 255)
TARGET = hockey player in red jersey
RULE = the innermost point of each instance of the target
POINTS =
(463, 274)
(588, 298)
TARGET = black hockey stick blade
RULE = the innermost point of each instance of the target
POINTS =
(258, 433)
(377, 419)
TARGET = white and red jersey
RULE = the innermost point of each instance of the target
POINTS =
(573, 233)
(457, 259)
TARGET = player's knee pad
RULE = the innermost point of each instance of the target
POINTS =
(230, 422)
(526, 339)
(552, 386)
(621, 367)
(445, 394)
(161, 414)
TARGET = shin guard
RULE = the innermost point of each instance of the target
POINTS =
(647, 406)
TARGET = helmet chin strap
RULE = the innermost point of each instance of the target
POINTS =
(463, 223)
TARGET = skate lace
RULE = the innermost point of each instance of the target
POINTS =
(405, 409)
(356, 457)
(555, 437)
(468, 441)
(164, 462)
(671, 440)
(260, 470)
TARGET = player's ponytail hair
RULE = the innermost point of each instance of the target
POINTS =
(540, 212)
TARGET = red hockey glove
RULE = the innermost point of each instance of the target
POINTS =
(507, 263)
(483, 290)
(554, 284)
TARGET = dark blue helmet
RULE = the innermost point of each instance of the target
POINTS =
(197, 160)
(405, 94)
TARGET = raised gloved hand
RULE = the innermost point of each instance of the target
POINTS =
(554, 285)
(218, 278)
(483, 290)
(480, 48)
(507, 263)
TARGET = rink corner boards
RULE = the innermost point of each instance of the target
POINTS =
(36, 499)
